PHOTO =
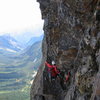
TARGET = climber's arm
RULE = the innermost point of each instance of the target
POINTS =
(47, 64)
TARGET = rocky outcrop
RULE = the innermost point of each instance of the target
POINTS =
(72, 40)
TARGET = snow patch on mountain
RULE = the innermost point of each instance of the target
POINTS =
(9, 50)
(35, 60)
(15, 44)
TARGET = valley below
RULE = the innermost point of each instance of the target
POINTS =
(17, 72)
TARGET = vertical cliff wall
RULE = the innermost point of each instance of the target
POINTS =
(72, 40)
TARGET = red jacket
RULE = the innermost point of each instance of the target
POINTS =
(52, 69)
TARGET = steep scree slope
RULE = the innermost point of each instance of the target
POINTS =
(72, 39)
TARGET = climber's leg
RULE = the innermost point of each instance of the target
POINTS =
(49, 75)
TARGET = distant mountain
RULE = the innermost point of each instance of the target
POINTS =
(8, 43)
(29, 55)
(33, 53)
(34, 50)
(33, 40)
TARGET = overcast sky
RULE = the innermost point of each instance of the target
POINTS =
(20, 16)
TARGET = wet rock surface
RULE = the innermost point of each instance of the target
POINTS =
(72, 40)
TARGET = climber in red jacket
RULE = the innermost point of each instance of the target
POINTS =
(53, 72)
(52, 69)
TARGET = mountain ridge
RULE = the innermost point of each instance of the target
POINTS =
(8, 43)
(34, 40)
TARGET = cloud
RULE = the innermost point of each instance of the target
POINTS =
(18, 16)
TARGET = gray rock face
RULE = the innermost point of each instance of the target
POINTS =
(72, 40)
